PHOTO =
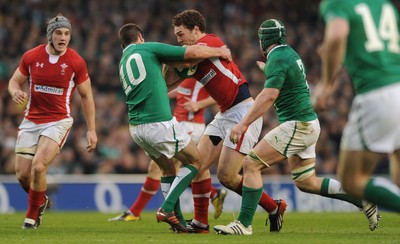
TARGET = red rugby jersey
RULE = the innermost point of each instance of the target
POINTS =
(219, 77)
(52, 81)
(190, 88)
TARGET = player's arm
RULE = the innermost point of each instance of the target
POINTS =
(173, 93)
(171, 77)
(192, 106)
(15, 87)
(196, 53)
(85, 91)
(333, 49)
(262, 103)
(332, 53)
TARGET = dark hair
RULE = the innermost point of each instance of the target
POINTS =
(190, 19)
(129, 33)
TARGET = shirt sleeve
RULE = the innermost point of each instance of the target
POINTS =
(275, 72)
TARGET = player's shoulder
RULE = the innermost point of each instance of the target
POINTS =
(283, 55)
(326, 6)
(74, 58)
(72, 52)
(210, 40)
(34, 52)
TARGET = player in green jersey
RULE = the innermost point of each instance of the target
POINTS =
(364, 35)
(294, 139)
(151, 123)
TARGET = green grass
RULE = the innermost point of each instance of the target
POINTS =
(93, 227)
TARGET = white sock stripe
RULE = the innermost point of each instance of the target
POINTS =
(204, 195)
(387, 184)
(149, 192)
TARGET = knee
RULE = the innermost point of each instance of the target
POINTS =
(304, 186)
(38, 168)
(250, 166)
(226, 178)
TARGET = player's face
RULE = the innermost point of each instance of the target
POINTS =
(185, 36)
(61, 38)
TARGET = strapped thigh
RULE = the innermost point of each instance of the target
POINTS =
(303, 172)
(253, 155)
(27, 152)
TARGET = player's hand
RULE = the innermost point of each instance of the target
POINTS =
(19, 97)
(237, 132)
(226, 53)
(321, 97)
(261, 65)
(191, 106)
(91, 137)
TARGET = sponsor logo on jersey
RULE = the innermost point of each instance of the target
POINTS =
(184, 91)
(49, 90)
(208, 77)
(39, 64)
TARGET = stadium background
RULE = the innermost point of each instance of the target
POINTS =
(95, 25)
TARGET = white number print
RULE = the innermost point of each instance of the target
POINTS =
(387, 29)
(131, 77)
(301, 67)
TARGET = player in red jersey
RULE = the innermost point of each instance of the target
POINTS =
(191, 102)
(226, 84)
(53, 71)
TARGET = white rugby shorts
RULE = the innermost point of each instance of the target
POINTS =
(223, 122)
(195, 130)
(295, 138)
(374, 121)
(167, 138)
(29, 133)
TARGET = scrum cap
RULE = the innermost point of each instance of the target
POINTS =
(271, 31)
(57, 22)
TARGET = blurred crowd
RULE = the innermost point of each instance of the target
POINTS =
(95, 24)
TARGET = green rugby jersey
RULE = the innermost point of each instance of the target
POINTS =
(140, 73)
(373, 47)
(285, 71)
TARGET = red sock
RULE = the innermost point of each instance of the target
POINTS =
(201, 198)
(35, 199)
(149, 189)
(213, 192)
(266, 202)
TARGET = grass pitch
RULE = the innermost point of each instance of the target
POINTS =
(93, 227)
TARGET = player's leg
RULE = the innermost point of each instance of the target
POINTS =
(395, 167)
(148, 190)
(209, 148)
(231, 161)
(262, 156)
(189, 157)
(355, 170)
(47, 150)
(23, 164)
(217, 196)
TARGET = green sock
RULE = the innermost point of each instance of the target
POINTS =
(180, 183)
(165, 187)
(250, 199)
(383, 192)
(333, 189)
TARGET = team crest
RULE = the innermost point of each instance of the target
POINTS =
(63, 67)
